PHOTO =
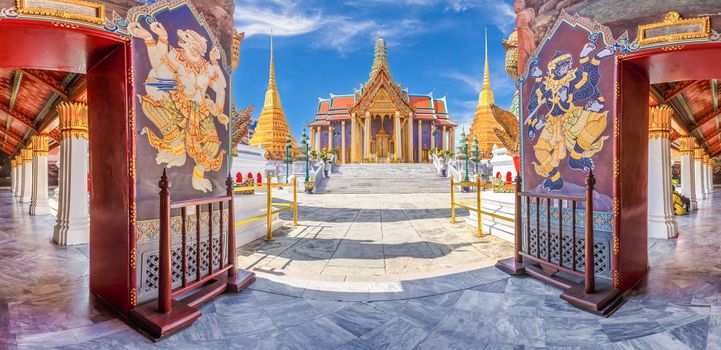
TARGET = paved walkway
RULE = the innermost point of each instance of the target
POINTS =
(44, 302)
(373, 237)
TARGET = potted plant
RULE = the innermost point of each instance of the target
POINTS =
(443, 158)
(309, 186)
(325, 157)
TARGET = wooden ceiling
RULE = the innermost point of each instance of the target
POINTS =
(28, 101)
(696, 107)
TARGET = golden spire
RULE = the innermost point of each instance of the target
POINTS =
(486, 93)
(272, 129)
(483, 120)
(380, 58)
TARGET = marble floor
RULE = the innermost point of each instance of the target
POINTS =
(44, 303)
(373, 237)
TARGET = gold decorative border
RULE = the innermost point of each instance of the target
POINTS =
(674, 19)
(99, 19)
(615, 278)
(133, 261)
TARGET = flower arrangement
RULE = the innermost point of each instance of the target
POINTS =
(498, 183)
(248, 182)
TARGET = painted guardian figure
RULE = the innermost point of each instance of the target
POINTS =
(177, 101)
(566, 114)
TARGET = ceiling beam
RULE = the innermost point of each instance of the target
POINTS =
(7, 151)
(705, 119)
(714, 94)
(17, 116)
(49, 82)
(687, 110)
(10, 134)
(711, 136)
(15, 89)
(674, 135)
(680, 87)
(49, 112)
(656, 95)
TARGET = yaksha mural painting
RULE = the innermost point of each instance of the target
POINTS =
(567, 93)
(566, 115)
(185, 93)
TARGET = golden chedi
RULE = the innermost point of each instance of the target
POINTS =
(272, 129)
(484, 123)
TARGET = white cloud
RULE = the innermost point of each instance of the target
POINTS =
(500, 82)
(474, 82)
(503, 18)
(284, 17)
(499, 12)
(334, 31)
(462, 111)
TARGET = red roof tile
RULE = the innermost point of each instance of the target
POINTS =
(323, 106)
(342, 102)
(420, 101)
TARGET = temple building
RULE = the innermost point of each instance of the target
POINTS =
(272, 131)
(484, 123)
(382, 122)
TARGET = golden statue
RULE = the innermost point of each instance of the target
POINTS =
(177, 100)
(240, 126)
(508, 119)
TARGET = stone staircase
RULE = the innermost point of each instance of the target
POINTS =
(384, 178)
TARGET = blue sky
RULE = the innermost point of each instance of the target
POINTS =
(327, 46)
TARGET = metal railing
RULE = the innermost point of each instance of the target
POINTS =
(478, 209)
(268, 215)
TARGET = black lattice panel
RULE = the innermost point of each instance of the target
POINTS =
(151, 263)
(602, 251)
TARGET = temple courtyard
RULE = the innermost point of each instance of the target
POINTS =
(433, 292)
(372, 237)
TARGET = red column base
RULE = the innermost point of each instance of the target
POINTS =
(511, 267)
(157, 325)
(241, 281)
(184, 311)
(605, 300)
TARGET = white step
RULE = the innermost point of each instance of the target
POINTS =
(384, 178)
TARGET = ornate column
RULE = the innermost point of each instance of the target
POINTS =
(452, 136)
(72, 224)
(410, 138)
(39, 195)
(312, 136)
(433, 138)
(330, 137)
(13, 179)
(367, 137)
(27, 189)
(420, 141)
(688, 144)
(398, 143)
(342, 141)
(18, 175)
(661, 219)
(318, 139)
(354, 138)
(710, 174)
(444, 138)
(698, 171)
(707, 174)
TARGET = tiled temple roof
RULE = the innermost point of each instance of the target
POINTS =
(423, 106)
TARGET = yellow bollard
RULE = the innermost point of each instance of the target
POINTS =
(478, 204)
(295, 201)
(453, 204)
(269, 196)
